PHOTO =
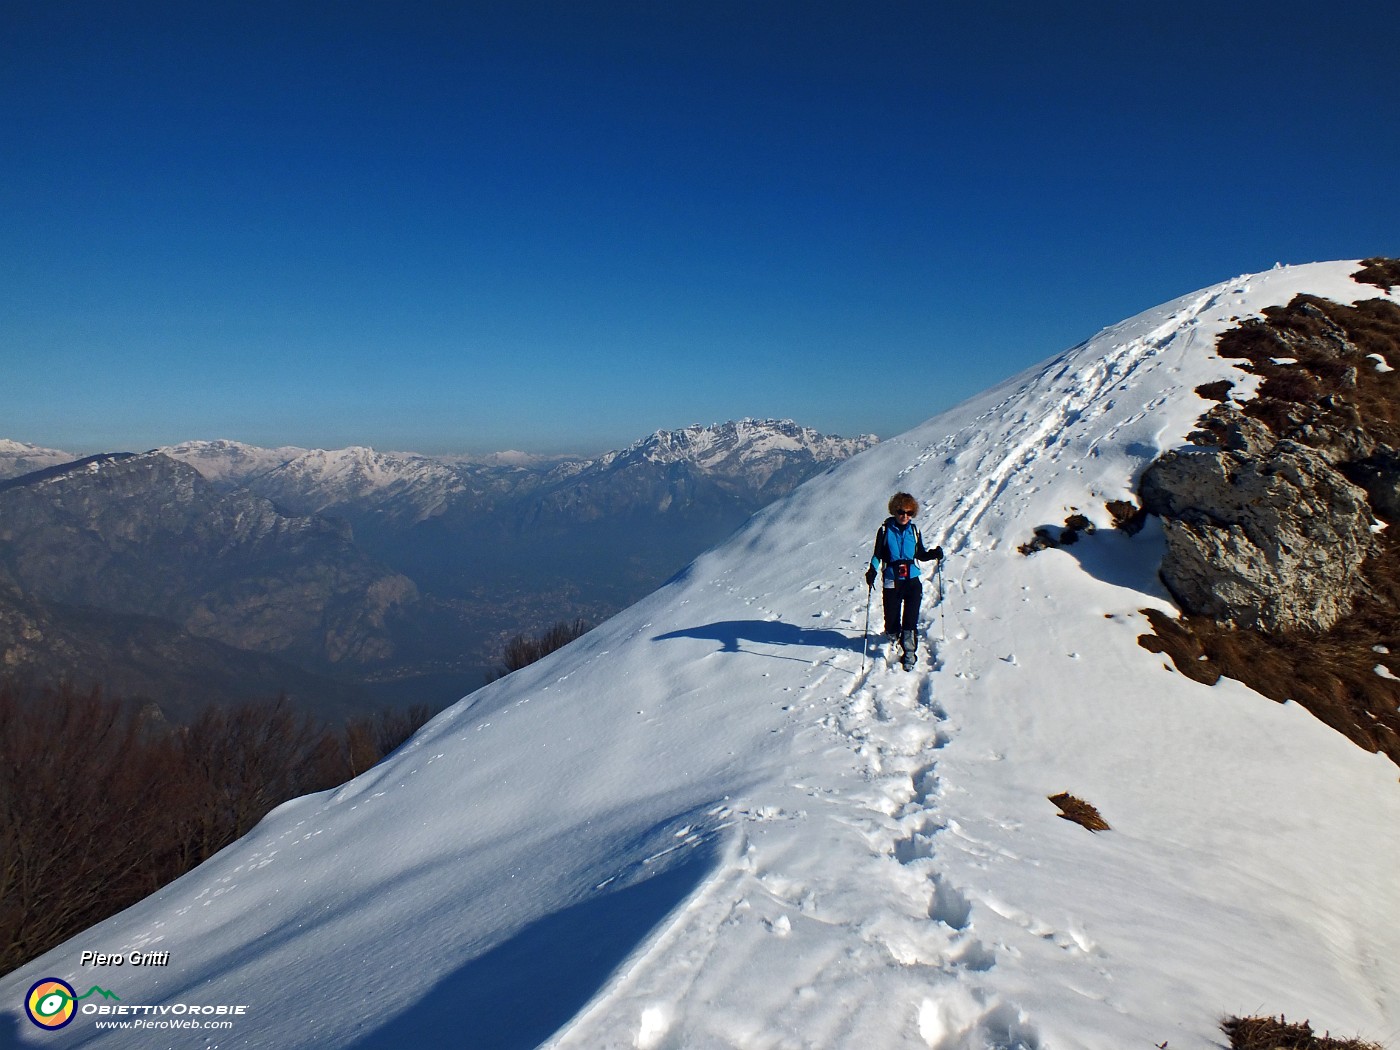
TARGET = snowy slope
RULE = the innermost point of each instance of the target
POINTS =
(703, 825)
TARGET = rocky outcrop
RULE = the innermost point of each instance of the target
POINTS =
(1274, 517)
(1282, 520)
(1261, 533)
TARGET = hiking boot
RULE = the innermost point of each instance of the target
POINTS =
(909, 642)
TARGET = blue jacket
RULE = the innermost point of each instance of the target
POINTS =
(896, 543)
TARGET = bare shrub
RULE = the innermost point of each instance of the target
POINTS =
(240, 763)
(367, 740)
(1267, 1033)
(1127, 517)
(1045, 538)
(99, 808)
(84, 796)
(523, 650)
(1077, 811)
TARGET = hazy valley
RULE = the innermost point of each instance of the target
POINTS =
(352, 579)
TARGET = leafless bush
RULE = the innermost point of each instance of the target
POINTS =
(83, 797)
(523, 650)
(240, 763)
(99, 808)
(369, 739)
(1267, 1033)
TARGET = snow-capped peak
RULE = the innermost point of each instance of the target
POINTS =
(741, 441)
(18, 458)
(226, 462)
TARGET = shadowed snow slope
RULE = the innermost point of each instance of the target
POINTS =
(709, 823)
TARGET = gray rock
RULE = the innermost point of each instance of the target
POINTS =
(1260, 533)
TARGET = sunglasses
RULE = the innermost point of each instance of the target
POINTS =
(904, 513)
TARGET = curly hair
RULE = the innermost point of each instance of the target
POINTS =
(903, 501)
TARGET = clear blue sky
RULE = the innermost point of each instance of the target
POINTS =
(558, 226)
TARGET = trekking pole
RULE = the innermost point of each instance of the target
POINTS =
(942, 612)
(865, 638)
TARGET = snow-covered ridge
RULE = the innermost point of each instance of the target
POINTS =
(227, 462)
(743, 440)
(319, 480)
(17, 458)
(717, 821)
(337, 475)
(415, 487)
(704, 444)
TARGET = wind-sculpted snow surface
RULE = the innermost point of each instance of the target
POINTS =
(714, 822)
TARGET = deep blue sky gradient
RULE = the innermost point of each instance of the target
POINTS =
(559, 226)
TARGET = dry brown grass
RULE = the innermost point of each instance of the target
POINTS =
(1046, 537)
(1127, 517)
(1332, 675)
(1268, 1033)
(1217, 391)
(1383, 273)
(1330, 384)
(1079, 812)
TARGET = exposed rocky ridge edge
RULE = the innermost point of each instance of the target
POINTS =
(1279, 521)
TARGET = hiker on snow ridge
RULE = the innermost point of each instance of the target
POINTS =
(898, 548)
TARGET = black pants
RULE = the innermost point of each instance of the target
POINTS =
(902, 605)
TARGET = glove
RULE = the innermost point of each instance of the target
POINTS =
(938, 553)
(870, 576)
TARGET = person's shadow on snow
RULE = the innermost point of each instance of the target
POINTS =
(732, 634)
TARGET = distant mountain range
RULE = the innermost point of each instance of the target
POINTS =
(17, 458)
(748, 459)
(219, 570)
